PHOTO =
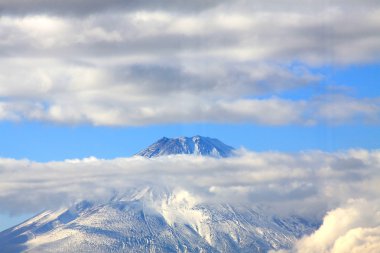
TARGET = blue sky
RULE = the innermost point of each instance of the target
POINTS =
(108, 78)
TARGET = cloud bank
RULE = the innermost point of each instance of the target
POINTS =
(342, 187)
(128, 62)
(310, 181)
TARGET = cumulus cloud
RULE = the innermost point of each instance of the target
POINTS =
(354, 227)
(145, 94)
(129, 62)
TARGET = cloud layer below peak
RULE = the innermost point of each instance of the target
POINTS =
(308, 179)
(343, 184)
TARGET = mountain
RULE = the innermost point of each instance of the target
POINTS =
(158, 219)
(196, 145)
(146, 220)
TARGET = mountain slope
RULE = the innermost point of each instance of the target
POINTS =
(196, 145)
(153, 221)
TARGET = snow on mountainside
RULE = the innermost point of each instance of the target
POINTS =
(196, 145)
(147, 220)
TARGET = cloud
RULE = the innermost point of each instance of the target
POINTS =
(342, 187)
(307, 183)
(87, 7)
(316, 33)
(341, 109)
(129, 62)
(133, 105)
(354, 227)
(145, 94)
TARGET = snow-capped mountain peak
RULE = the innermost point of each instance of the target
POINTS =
(196, 145)
(154, 220)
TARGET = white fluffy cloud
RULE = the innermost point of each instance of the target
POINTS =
(354, 227)
(343, 184)
(129, 62)
(139, 95)
(311, 182)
